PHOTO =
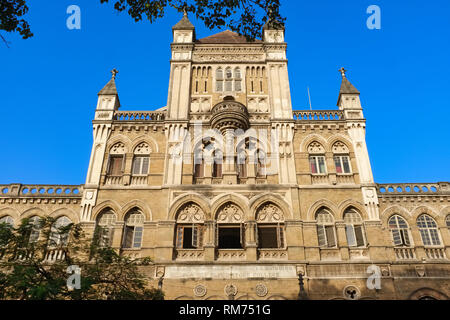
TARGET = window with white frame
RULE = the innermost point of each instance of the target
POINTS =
(133, 230)
(428, 230)
(342, 163)
(228, 81)
(189, 236)
(326, 233)
(400, 231)
(354, 228)
(140, 165)
(59, 232)
(317, 164)
(105, 228)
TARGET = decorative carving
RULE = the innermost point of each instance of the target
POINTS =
(200, 290)
(230, 290)
(351, 293)
(420, 270)
(142, 148)
(261, 290)
(339, 147)
(315, 147)
(230, 213)
(160, 271)
(118, 148)
(269, 213)
(191, 213)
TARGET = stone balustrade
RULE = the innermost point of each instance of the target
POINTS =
(190, 254)
(319, 115)
(139, 115)
(435, 253)
(405, 253)
(399, 189)
(39, 190)
(272, 254)
(231, 254)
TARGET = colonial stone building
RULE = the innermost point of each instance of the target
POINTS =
(234, 195)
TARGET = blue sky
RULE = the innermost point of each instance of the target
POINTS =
(49, 84)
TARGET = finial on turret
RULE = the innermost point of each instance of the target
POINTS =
(114, 72)
(185, 11)
(343, 71)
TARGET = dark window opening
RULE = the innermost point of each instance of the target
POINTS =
(230, 238)
(267, 237)
(115, 166)
(187, 238)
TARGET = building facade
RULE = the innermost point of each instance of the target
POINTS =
(234, 195)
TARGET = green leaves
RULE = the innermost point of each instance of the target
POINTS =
(11, 12)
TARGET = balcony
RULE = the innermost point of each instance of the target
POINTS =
(318, 115)
(113, 180)
(142, 116)
(435, 253)
(405, 253)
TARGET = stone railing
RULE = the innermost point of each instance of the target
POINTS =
(231, 254)
(345, 179)
(319, 179)
(139, 116)
(397, 189)
(435, 253)
(405, 253)
(272, 254)
(53, 255)
(139, 180)
(189, 254)
(39, 190)
(319, 115)
(113, 180)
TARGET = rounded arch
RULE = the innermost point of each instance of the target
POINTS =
(118, 138)
(67, 212)
(212, 135)
(306, 141)
(196, 198)
(234, 198)
(349, 203)
(31, 212)
(423, 209)
(8, 211)
(445, 211)
(113, 205)
(392, 210)
(427, 292)
(258, 201)
(142, 206)
(144, 138)
(332, 208)
(338, 137)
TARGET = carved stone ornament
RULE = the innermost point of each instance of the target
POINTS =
(142, 148)
(89, 195)
(191, 213)
(261, 290)
(420, 270)
(351, 293)
(230, 290)
(315, 147)
(118, 148)
(200, 290)
(340, 147)
(230, 213)
(269, 213)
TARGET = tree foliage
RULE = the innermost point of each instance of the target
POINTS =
(27, 273)
(247, 17)
(11, 13)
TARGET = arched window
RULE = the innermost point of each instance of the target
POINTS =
(354, 228)
(116, 159)
(59, 232)
(317, 158)
(428, 230)
(141, 160)
(341, 158)
(35, 223)
(260, 163)
(217, 165)
(190, 227)
(447, 221)
(228, 80)
(326, 233)
(270, 224)
(134, 225)
(230, 230)
(237, 80)
(7, 220)
(105, 227)
(219, 80)
(400, 231)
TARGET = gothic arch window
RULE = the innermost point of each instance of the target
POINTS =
(116, 161)
(428, 230)
(35, 230)
(270, 227)
(217, 164)
(230, 230)
(7, 220)
(133, 229)
(317, 158)
(341, 158)
(190, 227)
(400, 231)
(354, 228)
(59, 232)
(326, 233)
(105, 227)
(141, 160)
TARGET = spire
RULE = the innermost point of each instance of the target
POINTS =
(110, 88)
(184, 23)
(346, 86)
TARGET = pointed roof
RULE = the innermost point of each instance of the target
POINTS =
(184, 24)
(346, 86)
(226, 37)
(110, 88)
